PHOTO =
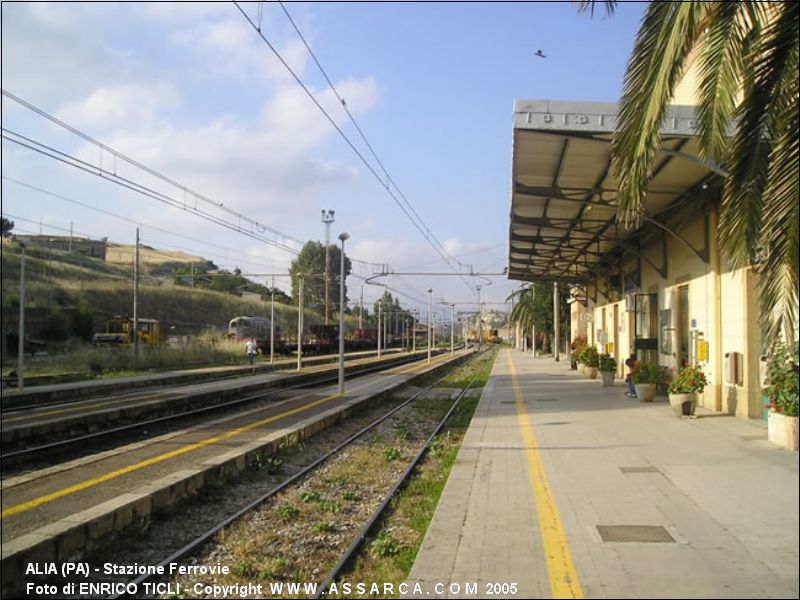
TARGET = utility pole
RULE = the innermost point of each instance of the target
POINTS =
(452, 329)
(414, 333)
(300, 322)
(380, 307)
(343, 237)
(430, 317)
(361, 309)
(533, 327)
(21, 343)
(480, 318)
(327, 219)
(555, 321)
(136, 304)
(272, 323)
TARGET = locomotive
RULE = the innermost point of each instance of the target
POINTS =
(320, 339)
(258, 328)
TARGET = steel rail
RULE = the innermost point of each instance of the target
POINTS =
(204, 537)
(362, 534)
(77, 441)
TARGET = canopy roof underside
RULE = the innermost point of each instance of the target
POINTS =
(563, 197)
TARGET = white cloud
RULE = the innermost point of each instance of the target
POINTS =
(232, 48)
(117, 105)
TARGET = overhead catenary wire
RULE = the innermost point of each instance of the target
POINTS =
(132, 221)
(145, 168)
(419, 226)
(113, 177)
(99, 171)
(361, 132)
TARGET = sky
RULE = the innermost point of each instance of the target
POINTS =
(194, 94)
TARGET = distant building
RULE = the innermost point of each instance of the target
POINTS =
(66, 243)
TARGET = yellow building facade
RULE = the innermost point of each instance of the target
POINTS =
(661, 289)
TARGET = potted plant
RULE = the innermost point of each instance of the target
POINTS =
(782, 391)
(591, 359)
(645, 379)
(577, 344)
(684, 389)
(608, 368)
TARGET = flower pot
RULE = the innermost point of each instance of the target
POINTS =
(782, 430)
(683, 404)
(645, 391)
(591, 372)
(608, 378)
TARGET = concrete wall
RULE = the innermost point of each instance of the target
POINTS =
(722, 310)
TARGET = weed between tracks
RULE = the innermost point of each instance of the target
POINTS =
(301, 533)
(389, 552)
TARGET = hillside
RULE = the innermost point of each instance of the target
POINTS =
(57, 281)
(158, 263)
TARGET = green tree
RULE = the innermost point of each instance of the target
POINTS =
(748, 64)
(534, 308)
(83, 321)
(310, 263)
(54, 327)
(7, 226)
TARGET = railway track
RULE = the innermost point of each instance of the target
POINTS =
(299, 483)
(72, 446)
(121, 491)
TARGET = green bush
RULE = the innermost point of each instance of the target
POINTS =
(589, 356)
(782, 380)
(608, 363)
(648, 373)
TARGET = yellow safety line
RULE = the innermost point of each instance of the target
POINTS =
(13, 510)
(561, 571)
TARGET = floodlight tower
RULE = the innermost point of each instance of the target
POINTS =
(327, 219)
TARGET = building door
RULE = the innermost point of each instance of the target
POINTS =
(682, 326)
(615, 337)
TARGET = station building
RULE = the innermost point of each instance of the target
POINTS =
(659, 288)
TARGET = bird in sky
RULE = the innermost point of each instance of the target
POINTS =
(540, 54)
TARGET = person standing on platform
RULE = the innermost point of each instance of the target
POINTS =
(631, 363)
(252, 350)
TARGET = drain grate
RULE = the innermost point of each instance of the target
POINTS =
(556, 423)
(647, 469)
(634, 533)
(546, 399)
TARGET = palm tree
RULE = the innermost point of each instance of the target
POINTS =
(748, 64)
(523, 313)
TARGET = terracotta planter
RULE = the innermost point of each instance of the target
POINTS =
(782, 430)
(683, 404)
(646, 392)
(591, 372)
(608, 378)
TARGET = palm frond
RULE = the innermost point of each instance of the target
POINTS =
(760, 125)
(589, 5)
(668, 33)
(780, 228)
(720, 69)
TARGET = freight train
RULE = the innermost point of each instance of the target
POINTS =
(320, 339)
(258, 328)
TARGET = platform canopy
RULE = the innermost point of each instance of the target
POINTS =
(563, 196)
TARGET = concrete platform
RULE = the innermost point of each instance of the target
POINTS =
(56, 392)
(569, 489)
(54, 514)
(104, 411)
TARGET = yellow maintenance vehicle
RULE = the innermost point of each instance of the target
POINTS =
(118, 333)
